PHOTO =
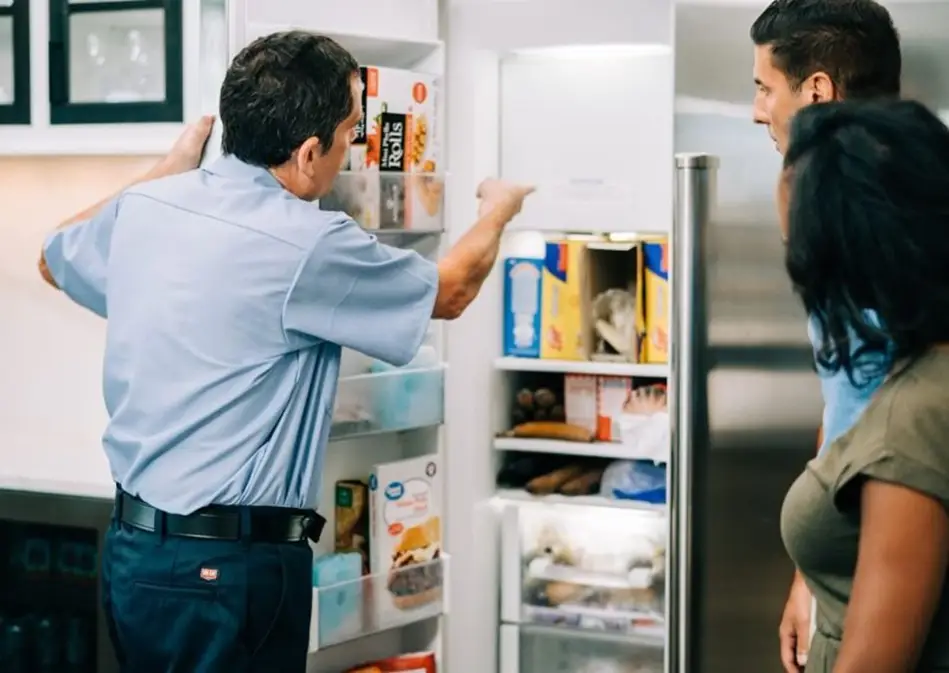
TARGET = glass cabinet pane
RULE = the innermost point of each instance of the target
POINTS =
(14, 62)
(6, 60)
(115, 61)
(117, 57)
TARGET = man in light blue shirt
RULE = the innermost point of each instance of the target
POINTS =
(807, 52)
(229, 296)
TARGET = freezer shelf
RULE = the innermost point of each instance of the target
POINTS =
(374, 603)
(584, 567)
(531, 649)
(400, 399)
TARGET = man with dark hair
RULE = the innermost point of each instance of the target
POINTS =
(229, 298)
(806, 52)
(815, 51)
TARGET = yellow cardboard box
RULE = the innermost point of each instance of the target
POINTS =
(561, 290)
(654, 303)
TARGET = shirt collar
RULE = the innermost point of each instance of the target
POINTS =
(229, 166)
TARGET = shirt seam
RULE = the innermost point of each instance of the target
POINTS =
(183, 209)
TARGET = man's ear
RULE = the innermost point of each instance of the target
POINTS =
(307, 153)
(821, 88)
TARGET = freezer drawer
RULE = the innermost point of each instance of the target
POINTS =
(533, 649)
(585, 567)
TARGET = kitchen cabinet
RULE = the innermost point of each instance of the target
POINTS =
(118, 61)
(14, 62)
(108, 77)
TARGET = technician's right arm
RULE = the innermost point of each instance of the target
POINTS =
(462, 272)
(350, 289)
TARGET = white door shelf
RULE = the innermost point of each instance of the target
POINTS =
(394, 22)
(590, 367)
(513, 496)
(392, 401)
(374, 603)
(567, 448)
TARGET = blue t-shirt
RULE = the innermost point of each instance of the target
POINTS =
(843, 402)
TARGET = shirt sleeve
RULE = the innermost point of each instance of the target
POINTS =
(352, 290)
(77, 257)
(903, 442)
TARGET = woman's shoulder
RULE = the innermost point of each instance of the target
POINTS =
(911, 417)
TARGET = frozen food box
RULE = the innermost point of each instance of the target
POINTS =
(654, 305)
(352, 520)
(612, 394)
(580, 400)
(403, 105)
(522, 292)
(405, 532)
(561, 292)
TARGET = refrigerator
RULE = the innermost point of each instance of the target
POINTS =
(748, 397)
(745, 403)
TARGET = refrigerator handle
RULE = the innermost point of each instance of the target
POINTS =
(688, 399)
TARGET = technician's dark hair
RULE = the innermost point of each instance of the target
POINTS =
(868, 230)
(282, 89)
(853, 41)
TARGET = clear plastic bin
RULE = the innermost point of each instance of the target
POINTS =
(382, 200)
(390, 401)
(531, 649)
(375, 603)
(566, 566)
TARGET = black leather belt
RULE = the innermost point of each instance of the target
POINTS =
(220, 522)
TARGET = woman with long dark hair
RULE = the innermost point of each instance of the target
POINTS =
(866, 189)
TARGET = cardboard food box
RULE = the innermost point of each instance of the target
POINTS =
(612, 394)
(405, 532)
(561, 298)
(521, 305)
(391, 179)
(654, 303)
(610, 301)
(352, 520)
(580, 400)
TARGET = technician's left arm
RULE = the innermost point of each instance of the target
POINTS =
(75, 258)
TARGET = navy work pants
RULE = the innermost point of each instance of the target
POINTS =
(186, 605)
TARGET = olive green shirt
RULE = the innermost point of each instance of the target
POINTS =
(902, 438)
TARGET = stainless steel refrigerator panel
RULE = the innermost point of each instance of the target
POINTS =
(763, 397)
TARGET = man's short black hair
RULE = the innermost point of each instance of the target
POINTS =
(868, 230)
(282, 89)
(853, 41)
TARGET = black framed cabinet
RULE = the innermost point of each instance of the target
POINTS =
(115, 61)
(14, 61)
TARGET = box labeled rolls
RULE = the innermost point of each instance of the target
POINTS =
(406, 103)
(405, 532)
(521, 302)
(654, 305)
(390, 180)
(561, 292)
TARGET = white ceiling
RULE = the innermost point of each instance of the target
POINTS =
(714, 52)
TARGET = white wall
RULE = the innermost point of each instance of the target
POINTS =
(51, 410)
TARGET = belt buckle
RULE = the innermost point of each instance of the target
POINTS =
(313, 527)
